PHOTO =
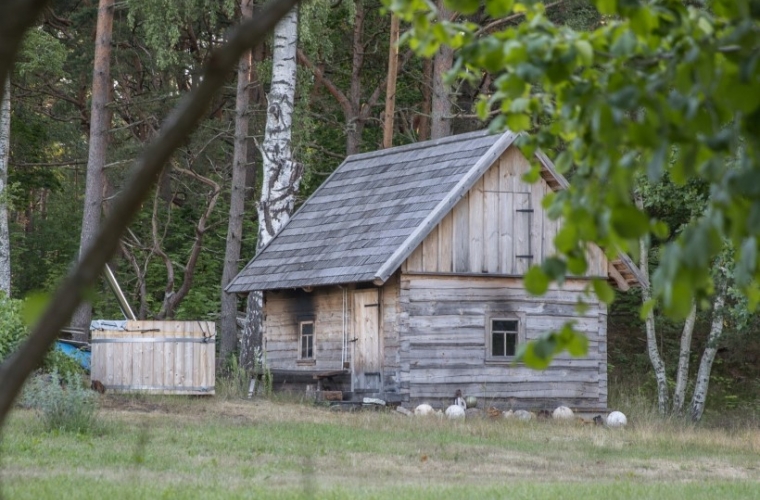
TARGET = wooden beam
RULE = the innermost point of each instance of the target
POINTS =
(621, 282)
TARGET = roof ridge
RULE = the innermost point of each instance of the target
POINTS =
(420, 145)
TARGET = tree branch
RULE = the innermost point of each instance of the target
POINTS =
(15, 17)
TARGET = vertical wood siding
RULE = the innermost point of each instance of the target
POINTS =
(495, 227)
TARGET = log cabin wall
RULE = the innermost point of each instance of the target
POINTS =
(285, 309)
(443, 324)
(499, 227)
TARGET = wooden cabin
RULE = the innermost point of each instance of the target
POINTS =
(402, 276)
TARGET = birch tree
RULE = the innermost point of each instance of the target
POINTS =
(281, 174)
(100, 123)
(5, 140)
(237, 197)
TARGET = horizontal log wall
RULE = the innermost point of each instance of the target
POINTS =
(443, 347)
(285, 308)
(492, 230)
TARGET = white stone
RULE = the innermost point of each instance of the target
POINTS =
(455, 412)
(562, 413)
(522, 415)
(471, 401)
(616, 419)
(404, 411)
(423, 410)
(508, 414)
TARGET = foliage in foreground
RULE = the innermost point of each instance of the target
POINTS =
(661, 88)
(62, 404)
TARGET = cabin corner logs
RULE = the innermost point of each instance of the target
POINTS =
(424, 333)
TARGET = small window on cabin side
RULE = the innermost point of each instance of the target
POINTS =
(504, 337)
(307, 339)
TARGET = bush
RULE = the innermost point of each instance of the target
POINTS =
(63, 404)
(12, 327)
(13, 331)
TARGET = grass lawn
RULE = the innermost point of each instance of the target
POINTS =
(215, 448)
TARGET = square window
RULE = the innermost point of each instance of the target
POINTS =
(307, 339)
(504, 337)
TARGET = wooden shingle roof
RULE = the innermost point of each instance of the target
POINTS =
(373, 211)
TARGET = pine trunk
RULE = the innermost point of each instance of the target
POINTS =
(237, 199)
(708, 356)
(440, 119)
(100, 122)
(390, 92)
(682, 375)
(5, 149)
(355, 122)
(281, 176)
(654, 354)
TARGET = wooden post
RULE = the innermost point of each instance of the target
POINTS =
(390, 92)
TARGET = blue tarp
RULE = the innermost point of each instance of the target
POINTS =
(80, 355)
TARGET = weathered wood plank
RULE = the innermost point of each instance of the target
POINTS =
(446, 241)
(491, 219)
(476, 227)
(461, 233)
(430, 248)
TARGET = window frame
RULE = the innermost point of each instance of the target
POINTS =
(313, 358)
(520, 319)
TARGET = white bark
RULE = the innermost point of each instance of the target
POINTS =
(100, 123)
(281, 176)
(237, 199)
(5, 151)
(682, 375)
(654, 353)
(708, 356)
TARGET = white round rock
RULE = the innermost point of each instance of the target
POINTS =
(562, 413)
(522, 415)
(616, 419)
(423, 410)
(455, 412)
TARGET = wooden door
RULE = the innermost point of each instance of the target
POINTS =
(366, 363)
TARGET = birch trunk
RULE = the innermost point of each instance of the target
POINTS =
(682, 375)
(654, 354)
(237, 199)
(100, 122)
(5, 150)
(440, 121)
(708, 356)
(281, 176)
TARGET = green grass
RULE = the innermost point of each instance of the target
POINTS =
(206, 448)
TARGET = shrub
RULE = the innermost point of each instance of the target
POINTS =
(13, 331)
(12, 327)
(63, 404)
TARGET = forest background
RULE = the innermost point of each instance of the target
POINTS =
(171, 261)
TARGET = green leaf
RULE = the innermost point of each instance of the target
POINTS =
(585, 51)
(463, 6)
(577, 346)
(629, 222)
(554, 268)
(536, 281)
(660, 229)
(518, 122)
(607, 7)
(34, 305)
(499, 8)
(603, 290)
(646, 308)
